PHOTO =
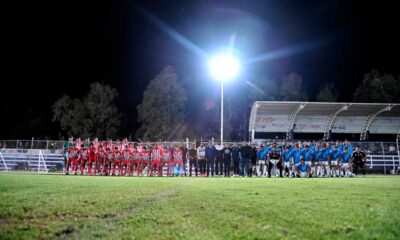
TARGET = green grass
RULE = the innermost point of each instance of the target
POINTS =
(57, 206)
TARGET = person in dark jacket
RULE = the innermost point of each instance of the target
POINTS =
(210, 158)
(227, 160)
(219, 159)
(244, 159)
(253, 160)
(236, 159)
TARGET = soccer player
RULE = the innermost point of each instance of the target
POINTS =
(308, 155)
(92, 158)
(156, 154)
(201, 155)
(73, 157)
(302, 169)
(178, 162)
(358, 160)
(315, 161)
(116, 161)
(346, 166)
(136, 161)
(84, 157)
(297, 155)
(108, 161)
(167, 160)
(261, 161)
(101, 160)
(287, 158)
(193, 159)
(274, 160)
(335, 161)
(323, 168)
(146, 164)
(126, 165)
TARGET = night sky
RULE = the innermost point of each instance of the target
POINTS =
(60, 47)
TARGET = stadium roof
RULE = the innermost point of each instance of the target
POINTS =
(324, 117)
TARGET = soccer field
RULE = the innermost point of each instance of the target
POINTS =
(58, 206)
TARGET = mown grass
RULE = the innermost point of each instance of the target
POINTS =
(71, 207)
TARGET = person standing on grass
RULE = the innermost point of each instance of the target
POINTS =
(358, 160)
(345, 165)
(252, 160)
(210, 158)
(219, 159)
(227, 155)
(335, 161)
(126, 165)
(92, 158)
(260, 160)
(244, 159)
(178, 162)
(84, 157)
(274, 159)
(73, 157)
(236, 159)
(193, 159)
(201, 155)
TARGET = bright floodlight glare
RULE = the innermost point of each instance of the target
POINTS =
(224, 67)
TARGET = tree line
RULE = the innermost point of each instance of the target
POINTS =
(162, 114)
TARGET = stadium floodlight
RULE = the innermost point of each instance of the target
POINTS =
(224, 67)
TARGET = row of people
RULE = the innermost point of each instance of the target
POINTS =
(128, 159)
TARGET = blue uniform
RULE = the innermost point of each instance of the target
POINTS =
(325, 155)
(317, 155)
(286, 156)
(336, 155)
(308, 155)
(260, 154)
(346, 157)
(297, 155)
(302, 168)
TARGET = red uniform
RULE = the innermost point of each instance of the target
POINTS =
(92, 158)
(102, 161)
(145, 159)
(126, 162)
(178, 158)
(136, 160)
(117, 156)
(73, 156)
(167, 160)
(156, 156)
(85, 154)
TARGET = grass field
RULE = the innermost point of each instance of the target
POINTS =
(71, 207)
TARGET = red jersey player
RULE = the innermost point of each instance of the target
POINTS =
(73, 156)
(156, 154)
(92, 157)
(178, 161)
(126, 161)
(101, 160)
(145, 160)
(84, 157)
(117, 161)
(136, 161)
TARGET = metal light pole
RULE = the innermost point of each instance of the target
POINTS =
(222, 112)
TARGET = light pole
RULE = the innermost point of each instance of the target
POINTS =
(224, 67)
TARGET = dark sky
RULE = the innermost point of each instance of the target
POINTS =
(60, 47)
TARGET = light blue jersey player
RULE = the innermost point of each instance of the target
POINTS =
(346, 166)
(336, 158)
(286, 159)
